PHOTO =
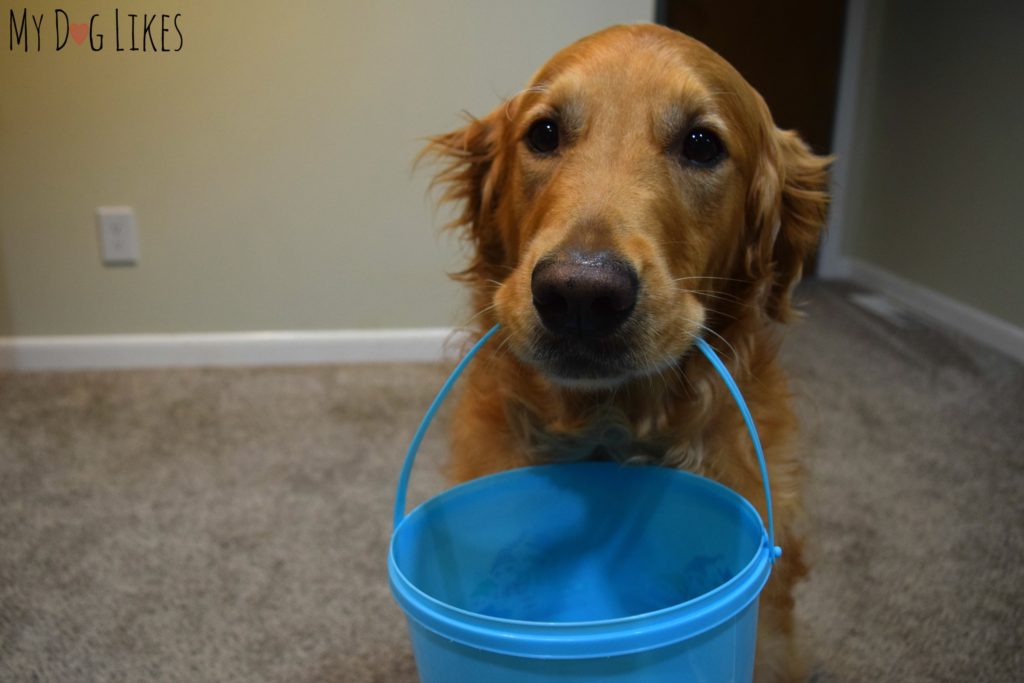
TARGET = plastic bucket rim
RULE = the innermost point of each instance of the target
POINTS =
(719, 489)
(584, 646)
(736, 593)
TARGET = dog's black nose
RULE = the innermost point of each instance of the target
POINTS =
(586, 294)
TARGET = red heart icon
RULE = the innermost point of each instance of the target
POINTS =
(79, 32)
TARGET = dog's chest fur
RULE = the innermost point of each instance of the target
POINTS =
(605, 431)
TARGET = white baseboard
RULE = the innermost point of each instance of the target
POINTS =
(225, 349)
(978, 325)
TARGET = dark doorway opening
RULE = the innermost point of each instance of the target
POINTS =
(789, 50)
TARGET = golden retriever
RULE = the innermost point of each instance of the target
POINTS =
(635, 196)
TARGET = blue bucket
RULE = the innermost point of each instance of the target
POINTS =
(589, 571)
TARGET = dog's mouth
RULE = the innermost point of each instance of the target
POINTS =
(599, 363)
(583, 361)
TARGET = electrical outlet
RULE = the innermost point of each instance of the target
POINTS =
(119, 241)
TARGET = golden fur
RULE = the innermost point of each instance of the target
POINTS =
(717, 251)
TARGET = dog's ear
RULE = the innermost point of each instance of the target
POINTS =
(787, 206)
(470, 175)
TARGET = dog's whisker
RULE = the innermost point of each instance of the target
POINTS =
(711, 277)
(717, 292)
(716, 312)
(482, 311)
(712, 293)
(691, 390)
(505, 346)
(502, 345)
(720, 314)
(672, 372)
(719, 297)
(702, 326)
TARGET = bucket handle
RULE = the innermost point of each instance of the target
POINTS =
(414, 445)
(705, 348)
(730, 384)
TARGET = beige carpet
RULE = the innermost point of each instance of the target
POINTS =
(232, 525)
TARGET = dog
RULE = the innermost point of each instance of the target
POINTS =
(635, 196)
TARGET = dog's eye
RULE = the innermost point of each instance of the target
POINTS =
(702, 147)
(542, 137)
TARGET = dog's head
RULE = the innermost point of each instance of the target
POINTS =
(634, 195)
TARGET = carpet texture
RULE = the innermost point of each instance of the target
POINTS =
(232, 524)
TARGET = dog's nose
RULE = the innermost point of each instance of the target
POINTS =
(586, 294)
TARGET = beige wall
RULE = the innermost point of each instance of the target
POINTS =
(268, 160)
(6, 328)
(935, 179)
